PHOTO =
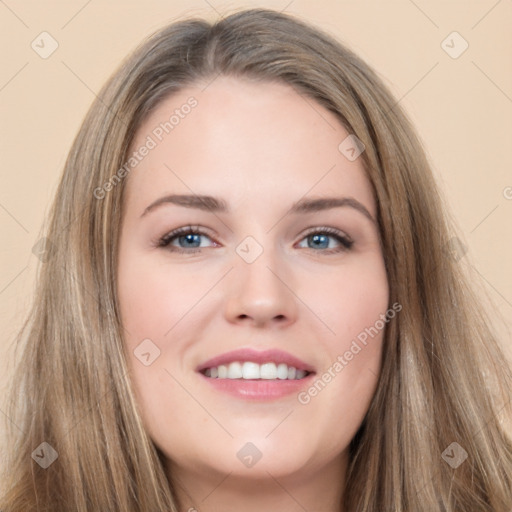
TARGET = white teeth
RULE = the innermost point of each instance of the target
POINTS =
(300, 374)
(235, 371)
(268, 371)
(252, 371)
(282, 371)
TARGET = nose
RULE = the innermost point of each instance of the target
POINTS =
(261, 294)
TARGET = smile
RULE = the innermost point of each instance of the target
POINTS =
(249, 370)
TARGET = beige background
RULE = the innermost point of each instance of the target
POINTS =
(462, 108)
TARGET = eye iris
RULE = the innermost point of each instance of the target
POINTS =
(320, 241)
(190, 237)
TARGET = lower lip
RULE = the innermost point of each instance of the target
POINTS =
(259, 389)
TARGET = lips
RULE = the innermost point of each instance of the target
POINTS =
(259, 357)
(269, 385)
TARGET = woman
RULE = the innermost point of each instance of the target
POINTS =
(249, 303)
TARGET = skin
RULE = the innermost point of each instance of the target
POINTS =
(260, 147)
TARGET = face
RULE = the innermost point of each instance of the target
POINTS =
(253, 317)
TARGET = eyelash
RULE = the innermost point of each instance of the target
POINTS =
(345, 242)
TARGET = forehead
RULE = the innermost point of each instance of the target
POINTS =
(241, 139)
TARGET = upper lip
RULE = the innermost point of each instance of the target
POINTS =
(256, 356)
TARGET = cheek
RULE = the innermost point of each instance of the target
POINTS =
(350, 300)
(159, 304)
(354, 305)
(154, 298)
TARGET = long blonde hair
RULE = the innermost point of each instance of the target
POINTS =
(442, 379)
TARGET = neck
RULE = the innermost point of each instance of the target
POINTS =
(208, 490)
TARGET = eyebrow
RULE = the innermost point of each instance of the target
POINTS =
(216, 205)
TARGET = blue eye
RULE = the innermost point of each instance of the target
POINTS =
(188, 240)
(319, 240)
